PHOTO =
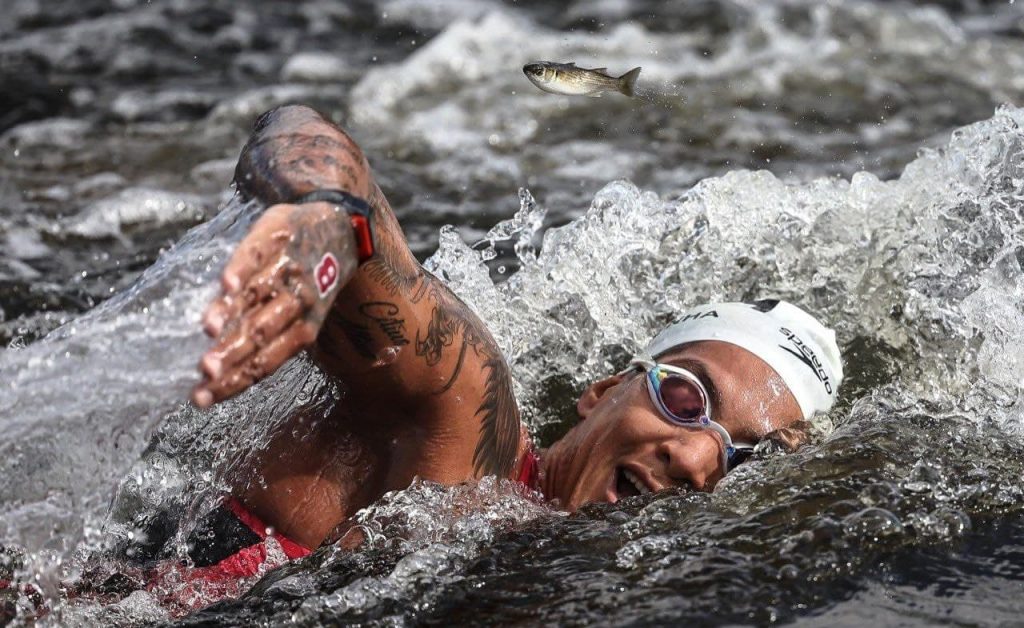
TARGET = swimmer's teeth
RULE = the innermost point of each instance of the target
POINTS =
(640, 486)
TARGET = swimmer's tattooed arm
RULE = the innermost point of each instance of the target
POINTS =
(398, 339)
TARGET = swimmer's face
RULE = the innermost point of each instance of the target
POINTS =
(622, 438)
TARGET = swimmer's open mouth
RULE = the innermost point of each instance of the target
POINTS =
(628, 484)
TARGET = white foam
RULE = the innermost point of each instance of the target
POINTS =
(49, 133)
(244, 107)
(433, 15)
(136, 207)
(316, 67)
(853, 252)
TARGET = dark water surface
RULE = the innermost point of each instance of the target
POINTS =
(848, 156)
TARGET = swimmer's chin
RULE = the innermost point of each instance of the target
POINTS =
(606, 494)
(202, 398)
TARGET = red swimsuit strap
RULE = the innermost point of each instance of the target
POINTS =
(291, 548)
(529, 469)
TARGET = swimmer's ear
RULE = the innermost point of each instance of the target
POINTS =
(593, 394)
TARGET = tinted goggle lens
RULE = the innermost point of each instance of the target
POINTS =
(680, 396)
(682, 399)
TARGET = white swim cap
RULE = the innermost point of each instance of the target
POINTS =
(800, 349)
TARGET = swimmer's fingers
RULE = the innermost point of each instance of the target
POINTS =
(310, 244)
(260, 364)
(251, 273)
(226, 311)
(257, 329)
(260, 248)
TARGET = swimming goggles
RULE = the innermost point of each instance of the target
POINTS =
(681, 398)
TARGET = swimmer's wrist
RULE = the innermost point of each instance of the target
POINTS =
(359, 213)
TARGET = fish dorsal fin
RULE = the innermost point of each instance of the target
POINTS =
(571, 63)
(605, 70)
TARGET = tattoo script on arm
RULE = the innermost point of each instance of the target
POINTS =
(452, 338)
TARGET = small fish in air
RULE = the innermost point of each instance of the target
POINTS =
(569, 80)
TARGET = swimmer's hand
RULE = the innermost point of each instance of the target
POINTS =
(277, 289)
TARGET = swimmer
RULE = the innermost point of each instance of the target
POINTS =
(426, 391)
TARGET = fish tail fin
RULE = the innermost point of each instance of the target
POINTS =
(628, 80)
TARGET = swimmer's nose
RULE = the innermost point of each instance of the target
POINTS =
(692, 459)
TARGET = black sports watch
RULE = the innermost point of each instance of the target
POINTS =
(359, 213)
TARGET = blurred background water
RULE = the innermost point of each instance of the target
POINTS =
(863, 159)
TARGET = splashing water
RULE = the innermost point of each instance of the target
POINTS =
(81, 405)
(78, 404)
(921, 276)
(925, 266)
